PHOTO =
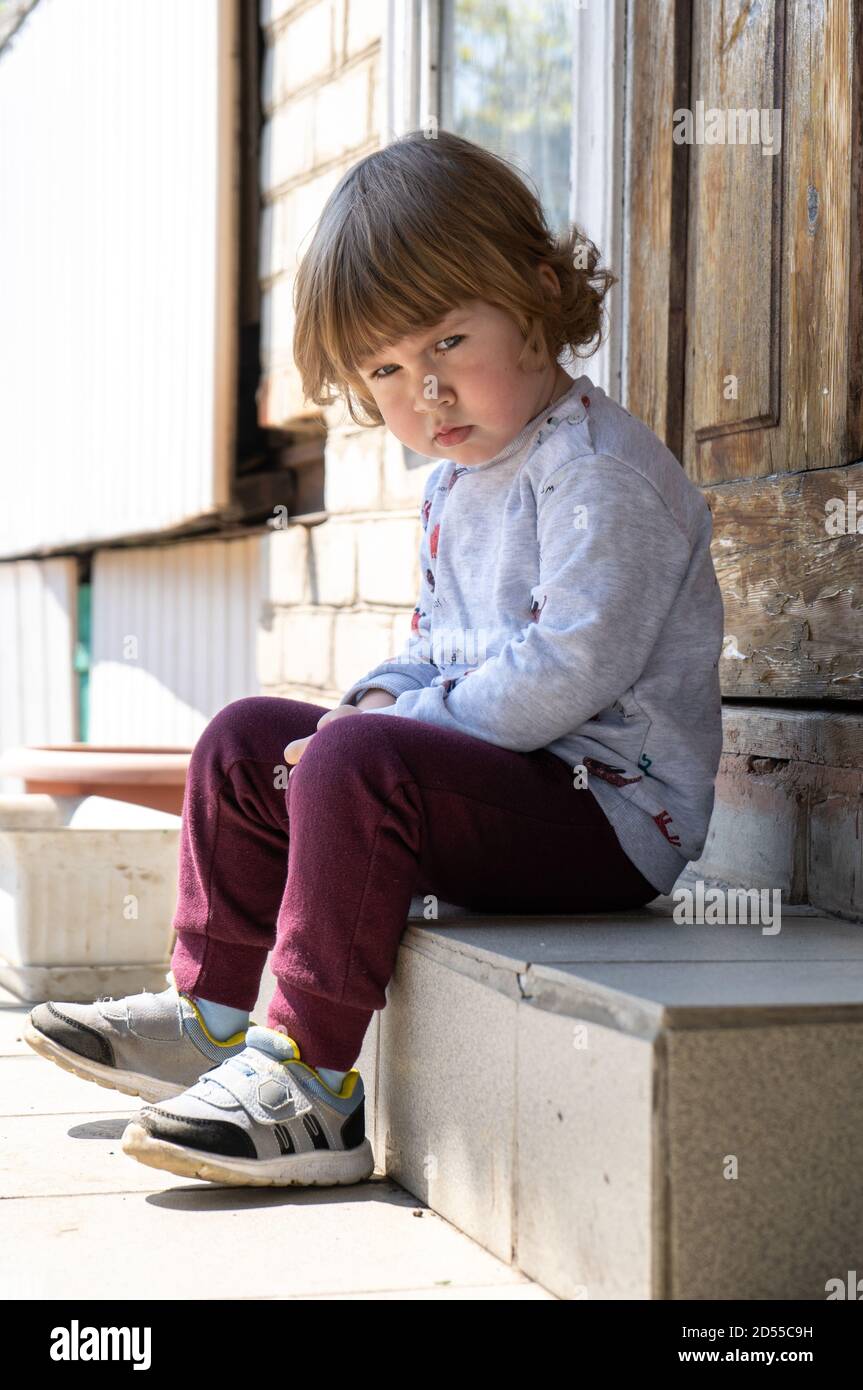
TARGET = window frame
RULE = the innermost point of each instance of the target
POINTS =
(597, 188)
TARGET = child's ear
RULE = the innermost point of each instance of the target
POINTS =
(549, 279)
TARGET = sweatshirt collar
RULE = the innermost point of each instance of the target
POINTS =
(569, 403)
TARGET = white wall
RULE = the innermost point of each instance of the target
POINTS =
(174, 637)
(37, 679)
(117, 248)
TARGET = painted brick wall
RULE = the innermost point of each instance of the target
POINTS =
(341, 593)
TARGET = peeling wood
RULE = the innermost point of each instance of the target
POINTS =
(793, 594)
(750, 266)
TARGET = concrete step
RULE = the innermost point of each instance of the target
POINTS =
(88, 887)
(83, 1220)
(628, 1107)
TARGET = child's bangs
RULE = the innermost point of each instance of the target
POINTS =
(391, 286)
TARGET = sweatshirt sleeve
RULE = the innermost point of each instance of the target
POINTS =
(611, 561)
(412, 668)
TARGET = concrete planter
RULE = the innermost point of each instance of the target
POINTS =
(88, 889)
(154, 777)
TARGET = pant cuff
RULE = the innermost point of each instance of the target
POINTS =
(329, 1034)
(226, 974)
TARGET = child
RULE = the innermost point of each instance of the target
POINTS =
(552, 728)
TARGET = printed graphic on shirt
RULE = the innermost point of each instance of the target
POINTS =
(426, 509)
(433, 539)
(544, 433)
(450, 681)
(553, 421)
(536, 608)
(608, 773)
(457, 472)
(663, 820)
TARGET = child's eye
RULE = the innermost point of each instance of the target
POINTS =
(382, 373)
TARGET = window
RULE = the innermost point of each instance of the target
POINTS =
(541, 83)
(506, 83)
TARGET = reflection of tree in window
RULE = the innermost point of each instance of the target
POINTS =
(507, 84)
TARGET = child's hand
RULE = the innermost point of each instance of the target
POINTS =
(297, 746)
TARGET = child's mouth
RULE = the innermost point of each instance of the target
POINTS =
(450, 437)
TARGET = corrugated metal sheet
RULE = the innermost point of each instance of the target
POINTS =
(37, 679)
(117, 254)
(174, 637)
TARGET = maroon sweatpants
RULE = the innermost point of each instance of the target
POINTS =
(378, 809)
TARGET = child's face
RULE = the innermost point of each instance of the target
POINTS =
(463, 372)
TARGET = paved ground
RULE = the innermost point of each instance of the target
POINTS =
(81, 1219)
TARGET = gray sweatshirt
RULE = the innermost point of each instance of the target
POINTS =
(568, 601)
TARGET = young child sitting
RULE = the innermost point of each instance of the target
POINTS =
(547, 740)
(565, 561)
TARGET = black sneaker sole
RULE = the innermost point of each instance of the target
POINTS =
(130, 1083)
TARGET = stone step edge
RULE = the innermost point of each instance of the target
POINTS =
(565, 992)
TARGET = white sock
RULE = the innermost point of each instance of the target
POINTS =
(333, 1079)
(222, 1021)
